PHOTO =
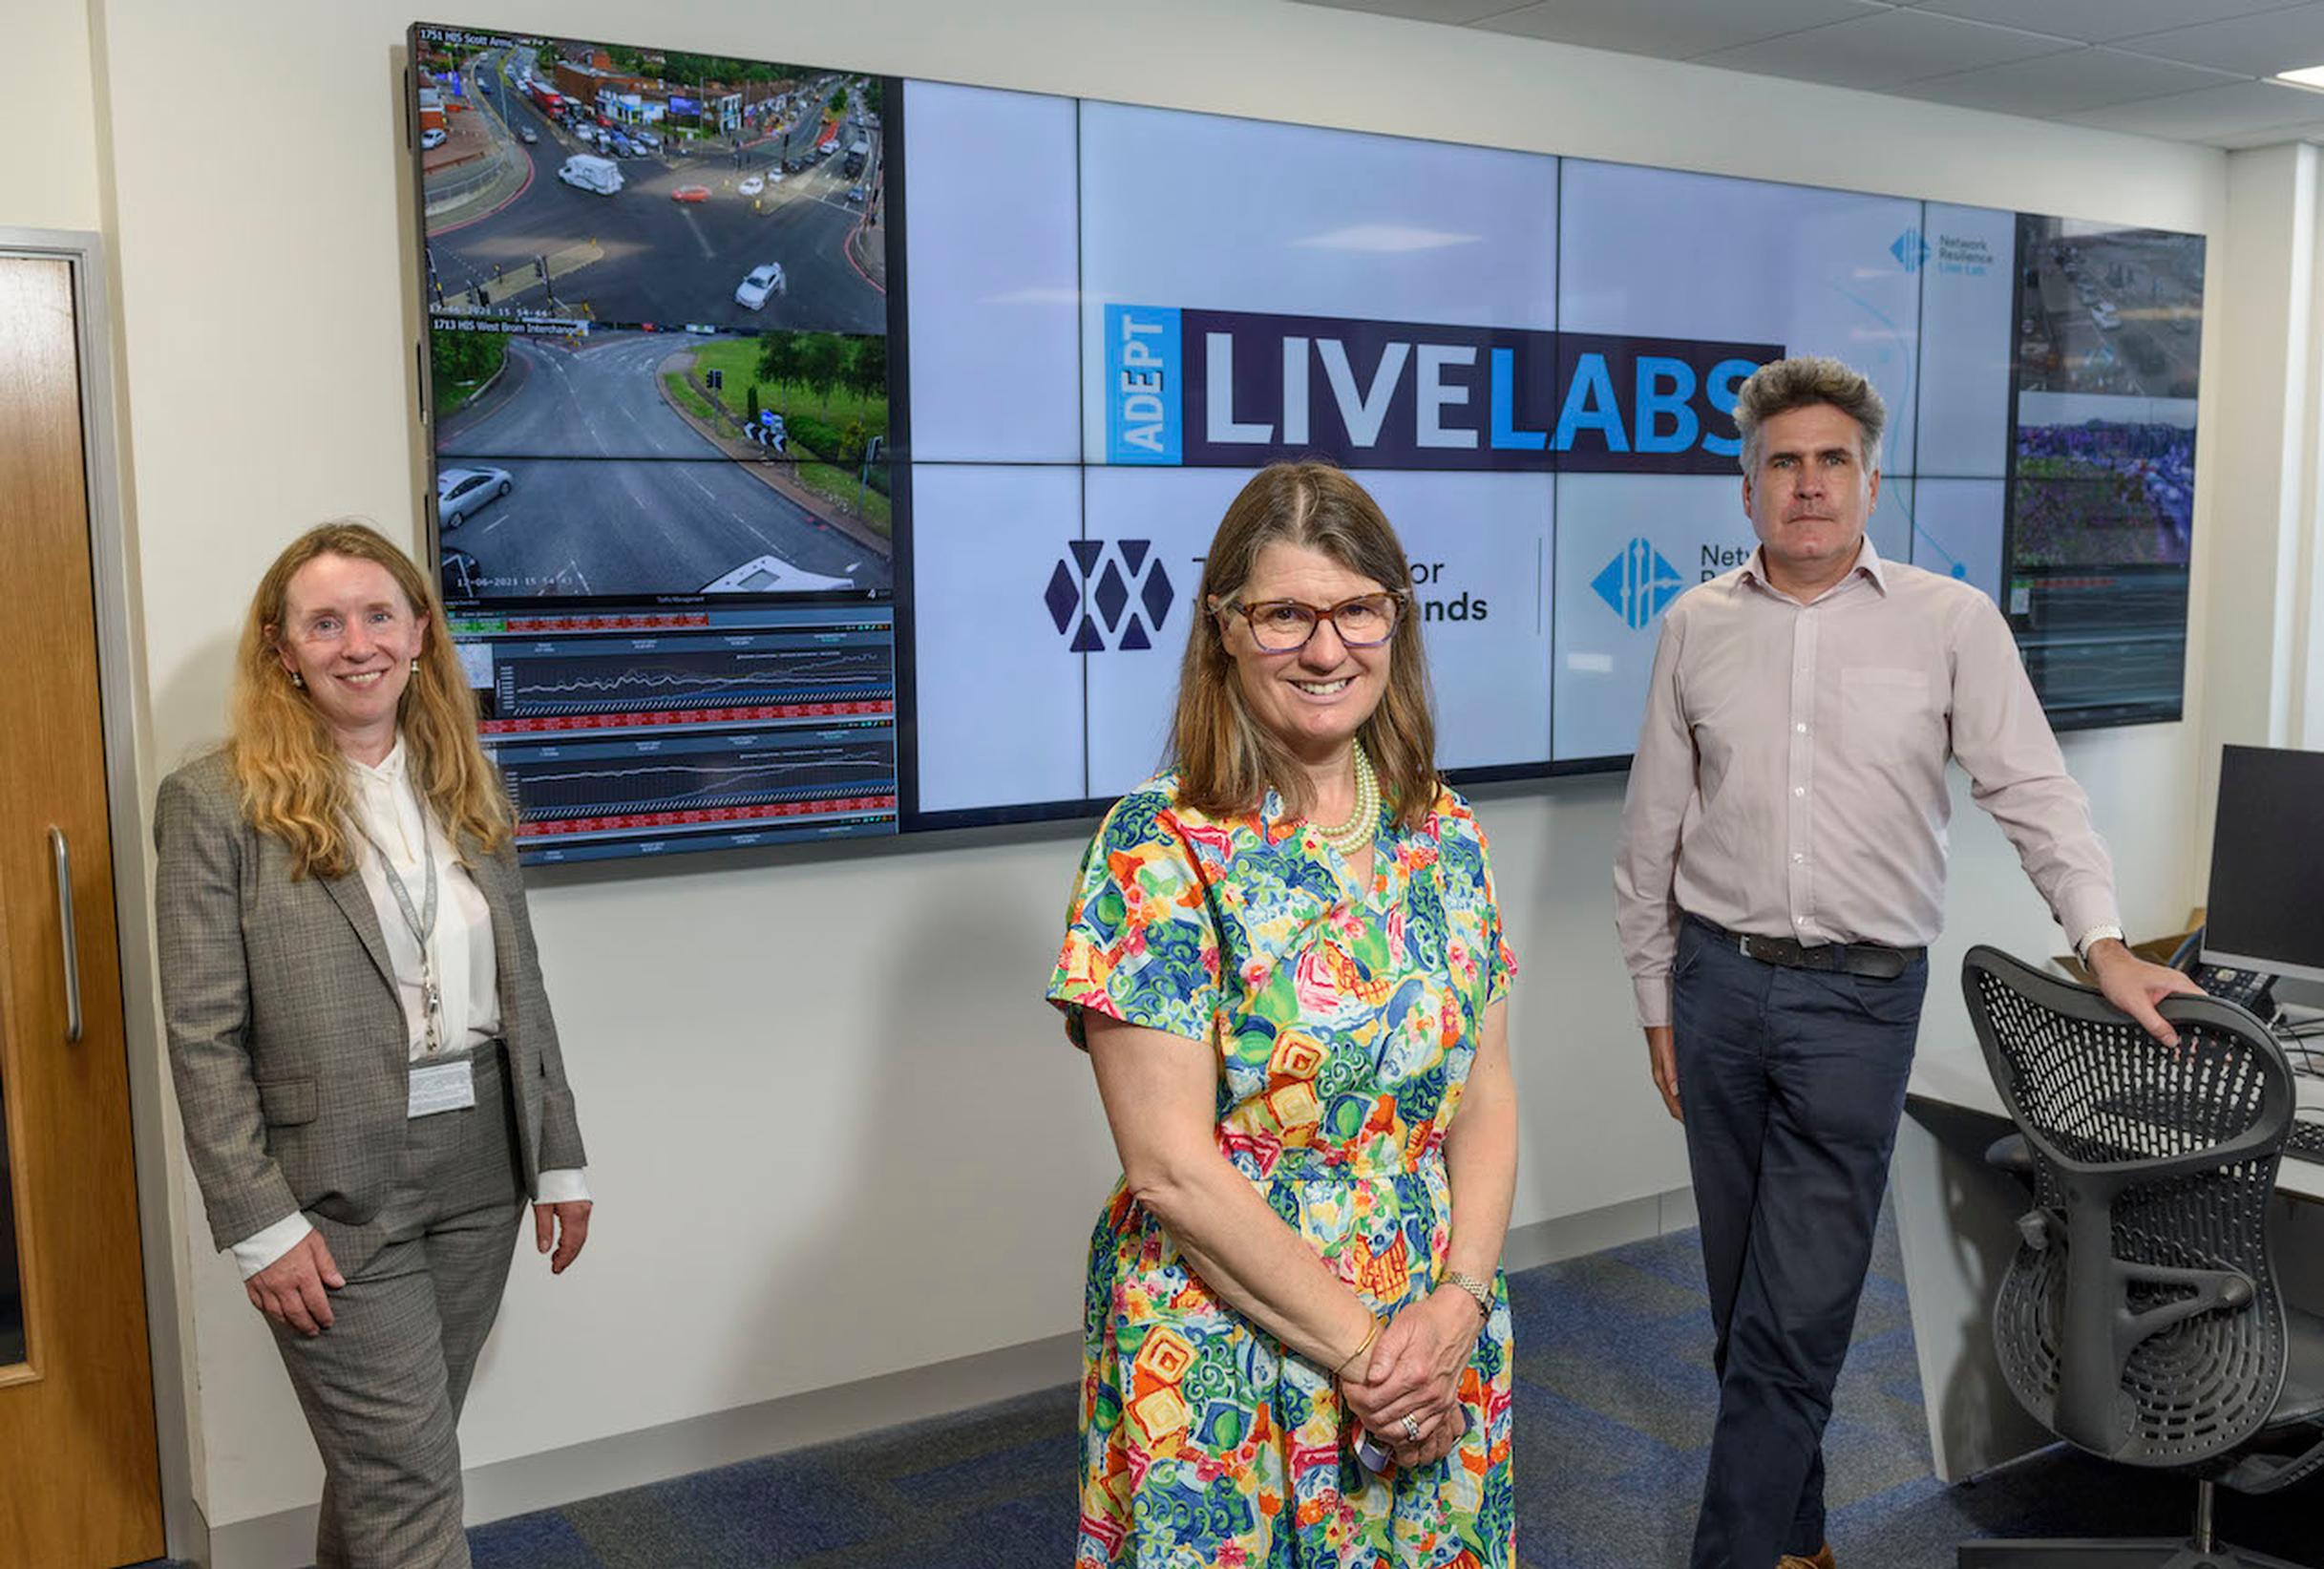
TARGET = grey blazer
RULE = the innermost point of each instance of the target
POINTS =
(287, 1038)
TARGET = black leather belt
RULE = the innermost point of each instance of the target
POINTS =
(1874, 961)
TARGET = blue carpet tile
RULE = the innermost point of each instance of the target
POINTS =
(1613, 1406)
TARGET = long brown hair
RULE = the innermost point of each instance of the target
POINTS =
(294, 782)
(1225, 759)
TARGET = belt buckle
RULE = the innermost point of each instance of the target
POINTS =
(1743, 944)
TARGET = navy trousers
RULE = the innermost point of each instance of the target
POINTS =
(1791, 1082)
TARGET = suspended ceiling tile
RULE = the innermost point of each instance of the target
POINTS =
(2208, 111)
(2099, 21)
(1880, 52)
(1675, 29)
(2314, 130)
(2050, 85)
(2251, 46)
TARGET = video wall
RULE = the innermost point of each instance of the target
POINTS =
(822, 454)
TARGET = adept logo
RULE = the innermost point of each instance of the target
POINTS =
(1125, 578)
(1911, 250)
(1637, 583)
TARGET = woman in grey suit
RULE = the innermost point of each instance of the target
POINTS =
(366, 1065)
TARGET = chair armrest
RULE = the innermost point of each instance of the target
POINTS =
(2011, 1153)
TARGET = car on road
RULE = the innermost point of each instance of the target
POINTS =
(623, 146)
(433, 136)
(856, 193)
(461, 494)
(753, 292)
(2105, 316)
(769, 573)
(752, 186)
(647, 140)
(690, 193)
(528, 136)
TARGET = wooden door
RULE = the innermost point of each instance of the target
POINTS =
(79, 1483)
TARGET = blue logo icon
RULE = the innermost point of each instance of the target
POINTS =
(1142, 385)
(1637, 583)
(1911, 250)
(1130, 596)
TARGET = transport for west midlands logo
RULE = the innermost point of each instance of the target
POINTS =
(1128, 598)
(1909, 249)
(1637, 583)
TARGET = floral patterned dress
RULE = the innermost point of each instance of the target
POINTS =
(1344, 1022)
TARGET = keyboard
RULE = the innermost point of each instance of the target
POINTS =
(2305, 1141)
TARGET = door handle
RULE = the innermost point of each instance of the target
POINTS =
(62, 853)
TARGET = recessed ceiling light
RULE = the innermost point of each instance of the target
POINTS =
(2308, 75)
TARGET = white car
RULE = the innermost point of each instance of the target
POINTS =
(752, 292)
(461, 494)
(771, 574)
(430, 138)
(752, 186)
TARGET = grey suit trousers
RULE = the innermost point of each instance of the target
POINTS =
(383, 1386)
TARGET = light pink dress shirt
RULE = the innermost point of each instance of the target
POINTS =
(1790, 780)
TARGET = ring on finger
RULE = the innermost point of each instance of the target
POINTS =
(1411, 1427)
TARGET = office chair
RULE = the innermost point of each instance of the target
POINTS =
(2142, 1319)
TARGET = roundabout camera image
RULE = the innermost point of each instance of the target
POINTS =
(657, 311)
(621, 189)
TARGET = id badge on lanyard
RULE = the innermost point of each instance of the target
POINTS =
(420, 921)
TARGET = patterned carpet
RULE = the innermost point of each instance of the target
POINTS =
(1614, 1408)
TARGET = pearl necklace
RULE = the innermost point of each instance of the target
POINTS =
(1353, 834)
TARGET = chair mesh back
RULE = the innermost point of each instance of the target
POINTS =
(2181, 1145)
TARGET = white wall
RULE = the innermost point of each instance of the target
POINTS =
(834, 1133)
(51, 98)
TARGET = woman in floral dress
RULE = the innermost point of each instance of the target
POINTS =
(1285, 961)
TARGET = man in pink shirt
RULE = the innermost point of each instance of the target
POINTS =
(1781, 873)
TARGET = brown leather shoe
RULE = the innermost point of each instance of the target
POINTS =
(1822, 1561)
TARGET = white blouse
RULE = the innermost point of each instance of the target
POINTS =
(467, 970)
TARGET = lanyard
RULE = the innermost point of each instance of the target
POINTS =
(420, 921)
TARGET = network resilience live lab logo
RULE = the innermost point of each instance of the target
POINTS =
(1637, 583)
(1128, 598)
(1217, 388)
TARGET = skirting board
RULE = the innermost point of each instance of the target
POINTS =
(558, 1477)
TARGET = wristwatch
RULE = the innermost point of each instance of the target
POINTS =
(1475, 1287)
(2090, 939)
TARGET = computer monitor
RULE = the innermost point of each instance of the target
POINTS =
(2266, 897)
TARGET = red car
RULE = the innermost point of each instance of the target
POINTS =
(690, 193)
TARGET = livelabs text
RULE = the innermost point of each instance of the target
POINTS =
(1214, 388)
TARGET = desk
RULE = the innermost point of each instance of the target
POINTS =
(1957, 1223)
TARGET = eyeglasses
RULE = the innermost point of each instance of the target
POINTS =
(1282, 626)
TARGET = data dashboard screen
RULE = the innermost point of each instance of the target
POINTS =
(824, 454)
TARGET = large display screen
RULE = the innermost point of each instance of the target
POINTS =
(836, 454)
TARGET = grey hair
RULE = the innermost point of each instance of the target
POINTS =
(1781, 386)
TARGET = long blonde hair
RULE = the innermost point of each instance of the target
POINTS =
(294, 778)
(1225, 759)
